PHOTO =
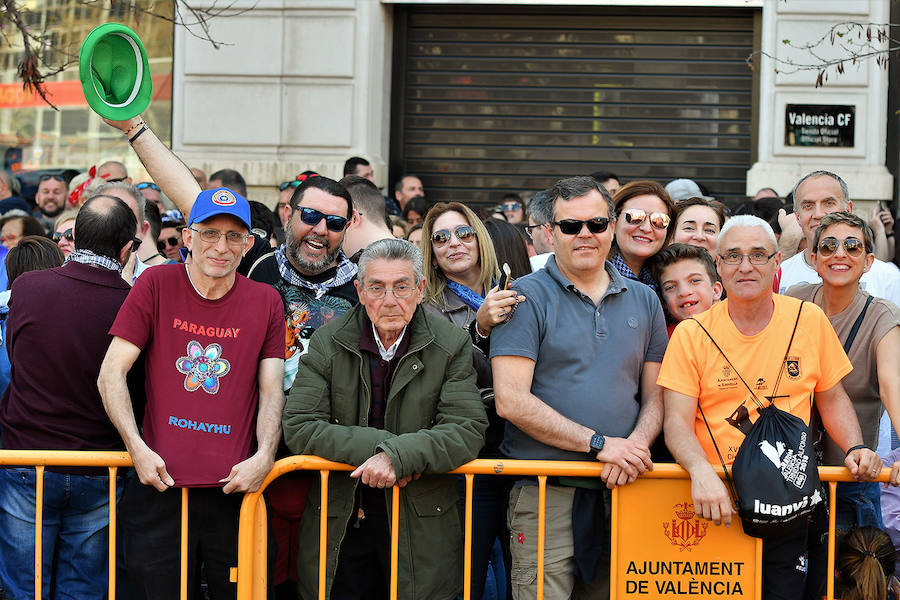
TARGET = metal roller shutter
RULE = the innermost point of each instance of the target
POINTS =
(513, 98)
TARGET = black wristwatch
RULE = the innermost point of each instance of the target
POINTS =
(597, 443)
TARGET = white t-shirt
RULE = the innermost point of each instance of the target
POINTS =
(539, 260)
(882, 280)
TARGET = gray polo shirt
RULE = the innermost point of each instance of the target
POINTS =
(588, 358)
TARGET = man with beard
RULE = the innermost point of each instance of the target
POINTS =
(309, 270)
(50, 200)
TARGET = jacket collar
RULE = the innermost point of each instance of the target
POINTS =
(350, 333)
(94, 275)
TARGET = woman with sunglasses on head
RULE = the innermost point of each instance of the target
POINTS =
(64, 232)
(461, 284)
(644, 212)
(869, 328)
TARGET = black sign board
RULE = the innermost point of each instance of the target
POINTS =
(819, 125)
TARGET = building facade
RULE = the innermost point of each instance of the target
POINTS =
(481, 98)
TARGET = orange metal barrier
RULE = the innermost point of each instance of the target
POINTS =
(251, 577)
(541, 469)
(63, 458)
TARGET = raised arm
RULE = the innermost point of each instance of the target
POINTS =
(166, 169)
(113, 386)
(248, 475)
(711, 499)
(515, 402)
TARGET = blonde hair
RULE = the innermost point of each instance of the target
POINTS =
(66, 215)
(435, 280)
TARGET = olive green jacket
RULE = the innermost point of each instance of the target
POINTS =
(434, 422)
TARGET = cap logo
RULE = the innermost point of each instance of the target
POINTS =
(224, 198)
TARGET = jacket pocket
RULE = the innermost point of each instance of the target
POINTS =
(434, 498)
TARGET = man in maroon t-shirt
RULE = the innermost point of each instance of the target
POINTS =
(213, 343)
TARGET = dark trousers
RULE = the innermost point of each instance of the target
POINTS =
(785, 564)
(151, 529)
(490, 498)
(363, 571)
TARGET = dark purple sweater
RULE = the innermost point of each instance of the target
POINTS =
(57, 336)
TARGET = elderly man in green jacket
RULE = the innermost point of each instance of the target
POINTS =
(390, 389)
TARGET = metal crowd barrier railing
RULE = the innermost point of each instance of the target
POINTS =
(250, 577)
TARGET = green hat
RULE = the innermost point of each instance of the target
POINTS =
(114, 72)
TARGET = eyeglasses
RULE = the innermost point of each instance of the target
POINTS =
(530, 229)
(400, 291)
(135, 244)
(115, 179)
(49, 177)
(289, 184)
(511, 206)
(852, 246)
(464, 233)
(574, 226)
(167, 242)
(311, 216)
(147, 184)
(636, 216)
(212, 236)
(755, 258)
(67, 234)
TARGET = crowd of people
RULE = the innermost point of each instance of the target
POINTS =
(605, 320)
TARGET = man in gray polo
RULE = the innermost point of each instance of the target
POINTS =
(575, 375)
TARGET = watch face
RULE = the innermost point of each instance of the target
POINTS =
(597, 442)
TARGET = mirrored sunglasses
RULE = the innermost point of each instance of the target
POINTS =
(67, 234)
(852, 246)
(464, 233)
(636, 216)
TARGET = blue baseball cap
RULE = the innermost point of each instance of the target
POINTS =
(220, 201)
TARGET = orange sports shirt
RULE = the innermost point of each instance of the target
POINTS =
(694, 366)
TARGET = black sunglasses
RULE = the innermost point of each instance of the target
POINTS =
(573, 226)
(146, 184)
(311, 216)
(70, 237)
(135, 244)
(172, 241)
(49, 177)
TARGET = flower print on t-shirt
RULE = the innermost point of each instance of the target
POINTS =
(203, 367)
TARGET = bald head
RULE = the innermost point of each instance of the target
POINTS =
(112, 171)
(105, 225)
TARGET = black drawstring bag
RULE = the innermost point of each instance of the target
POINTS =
(775, 479)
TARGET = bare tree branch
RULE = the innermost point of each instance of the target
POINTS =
(856, 42)
(40, 62)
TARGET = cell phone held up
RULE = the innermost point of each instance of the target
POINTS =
(505, 277)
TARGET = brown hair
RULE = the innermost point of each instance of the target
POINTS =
(864, 562)
(644, 188)
(674, 253)
(435, 281)
(33, 253)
